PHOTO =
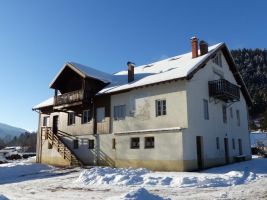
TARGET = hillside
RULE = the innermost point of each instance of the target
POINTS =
(10, 131)
(252, 64)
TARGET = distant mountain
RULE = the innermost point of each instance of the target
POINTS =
(10, 131)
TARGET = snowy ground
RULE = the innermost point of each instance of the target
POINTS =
(27, 180)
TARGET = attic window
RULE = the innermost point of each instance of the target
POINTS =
(148, 66)
(217, 59)
(175, 58)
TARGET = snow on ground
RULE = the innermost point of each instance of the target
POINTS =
(27, 180)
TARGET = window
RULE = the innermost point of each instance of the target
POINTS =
(91, 144)
(71, 118)
(217, 59)
(206, 109)
(113, 143)
(46, 121)
(217, 143)
(231, 113)
(160, 108)
(119, 112)
(86, 116)
(75, 144)
(233, 141)
(224, 114)
(240, 146)
(149, 142)
(100, 114)
(135, 143)
(238, 117)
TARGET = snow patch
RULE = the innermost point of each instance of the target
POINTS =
(141, 194)
(215, 177)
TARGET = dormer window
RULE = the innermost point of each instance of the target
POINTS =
(218, 59)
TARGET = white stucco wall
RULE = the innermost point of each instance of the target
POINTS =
(141, 112)
(197, 90)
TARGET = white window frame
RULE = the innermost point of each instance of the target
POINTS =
(218, 59)
(161, 107)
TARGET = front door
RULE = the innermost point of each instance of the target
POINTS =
(55, 124)
(199, 143)
(226, 150)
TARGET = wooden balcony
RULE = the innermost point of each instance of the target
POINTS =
(72, 98)
(224, 90)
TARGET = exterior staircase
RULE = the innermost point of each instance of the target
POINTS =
(60, 145)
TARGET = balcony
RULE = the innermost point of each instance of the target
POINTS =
(72, 98)
(224, 90)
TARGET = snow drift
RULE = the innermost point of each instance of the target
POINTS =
(234, 174)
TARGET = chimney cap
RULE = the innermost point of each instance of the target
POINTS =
(130, 63)
(202, 42)
(193, 38)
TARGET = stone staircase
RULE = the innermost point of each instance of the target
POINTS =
(62, 148)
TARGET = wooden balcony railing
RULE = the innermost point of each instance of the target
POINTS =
(72, 97)
(224, 90)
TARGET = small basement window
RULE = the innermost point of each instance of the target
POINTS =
(113, 143)
(149, 142)
(135, 143)
(75, 144)
(91, 144)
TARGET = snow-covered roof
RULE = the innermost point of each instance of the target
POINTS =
(85, 71)
(46, 103)
(172, 68)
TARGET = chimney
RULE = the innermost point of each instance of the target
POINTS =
(194, 47)
(130, 71)
(203, 47)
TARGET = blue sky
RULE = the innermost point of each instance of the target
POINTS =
(38, 37)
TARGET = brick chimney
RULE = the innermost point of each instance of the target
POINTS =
(130, 71)
(194, 41)
(203, 46)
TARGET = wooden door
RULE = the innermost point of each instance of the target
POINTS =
(55, 124)
(240, 146)
(226, 150)
(199, 144)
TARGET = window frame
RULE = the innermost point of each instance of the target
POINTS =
(86, 117)
(75, 144)
(91, 144)
(113, 143)
(233, 143)
(71, 118)
(217, 143)
(135, 144)
(224, 112)
(206, 109)
(161, 107)
(238, 118)
(149, 144)
(119, 112)
(45, 121)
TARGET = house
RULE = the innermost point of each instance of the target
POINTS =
(183, 113)
(258, 142)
